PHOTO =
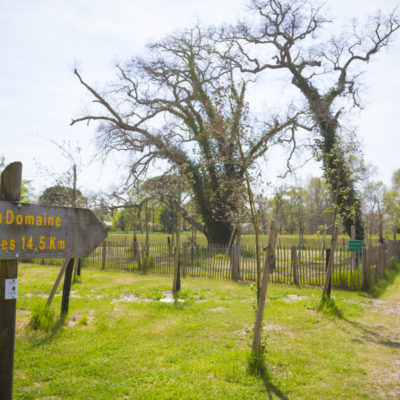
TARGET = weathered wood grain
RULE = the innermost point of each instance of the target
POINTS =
(56, 232)
(10, 189)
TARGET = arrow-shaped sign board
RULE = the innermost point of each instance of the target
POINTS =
(36, 231)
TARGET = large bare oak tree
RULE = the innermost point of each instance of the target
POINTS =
(185, 104)
(291, 35)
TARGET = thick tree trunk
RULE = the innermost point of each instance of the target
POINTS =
(337, 171)
(218, 232)
(339, 177)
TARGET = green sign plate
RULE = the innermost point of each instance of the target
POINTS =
(355, 245)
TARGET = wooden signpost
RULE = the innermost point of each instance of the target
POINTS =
(33, 231)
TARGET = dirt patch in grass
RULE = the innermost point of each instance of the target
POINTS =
(291, 298)
(128, 298)
(274, 327)
(385, 306)
(22, 322)
(37, 294)
(217, 309)
(84, 319)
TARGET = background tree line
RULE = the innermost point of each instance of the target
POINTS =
(184, 108)
(298, 209)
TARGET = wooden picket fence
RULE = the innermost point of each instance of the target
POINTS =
(293, 265)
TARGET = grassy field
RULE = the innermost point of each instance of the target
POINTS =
(309, 241)
(121, 342)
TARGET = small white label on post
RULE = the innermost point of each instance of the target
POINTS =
(11, 289)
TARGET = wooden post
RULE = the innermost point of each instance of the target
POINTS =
(294, 266)
(235, 261)
(10, 190)
(268, 264)
(146, 250)
(233, 254)
(176, 284)
(57, 282)
(391, 253)
(380, 229)
(67, 288)
(238, 246)
(79, 266)
(185, 260)
(365, 281)
(353, 254)
(330, 265)
(379, 263)
(384, 258)
(327, 257)
(138, 257)
(367, 238)
(103, 255)
(381, 260)
(75, 271)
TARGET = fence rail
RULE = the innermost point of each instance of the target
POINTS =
(305, 266)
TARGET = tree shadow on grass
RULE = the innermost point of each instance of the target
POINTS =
(371, 334)
(257, 367)
(374, 335)
(379, 288)
(377, 334)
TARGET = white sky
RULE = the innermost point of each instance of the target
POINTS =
(41, 40)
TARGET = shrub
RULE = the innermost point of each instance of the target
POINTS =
(148, 263)
(256, 364)
(42, 317)
(83, 320)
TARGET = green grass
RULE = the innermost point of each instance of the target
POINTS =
(200, 348)
(42, 317)
(283, 240)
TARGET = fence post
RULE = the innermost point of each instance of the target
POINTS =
(57, 282)
(103, 254)
(381, 261)
(184, 263)
(238, 259)
(67, 288)
(390, 253)
(235, 261)
(385, 259)
(328, 254)
(176, 282)
(330, 265)
(294, 266)
(365, 281)
(353, 253)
